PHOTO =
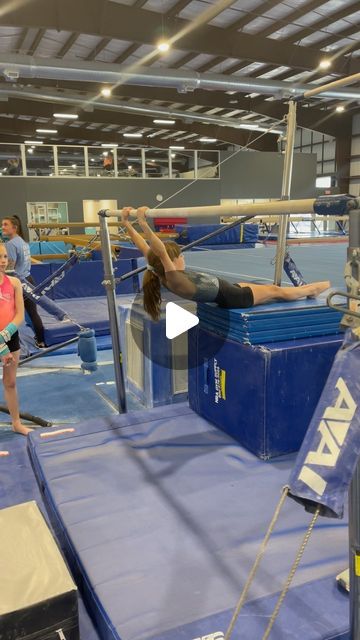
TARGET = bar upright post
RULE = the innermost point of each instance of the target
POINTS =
(285, 191)
(110, 288)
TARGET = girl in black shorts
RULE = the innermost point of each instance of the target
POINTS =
(166, 267)
(11, 317)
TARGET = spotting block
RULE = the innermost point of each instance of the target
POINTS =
(152, 363)
(38, 597)
(262, 395)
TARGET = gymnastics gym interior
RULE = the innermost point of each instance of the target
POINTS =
(194, 478)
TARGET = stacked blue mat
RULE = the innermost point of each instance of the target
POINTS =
(237, 235)
(272, 322)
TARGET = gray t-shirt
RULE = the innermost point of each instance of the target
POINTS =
(192, 285)
(18, 252)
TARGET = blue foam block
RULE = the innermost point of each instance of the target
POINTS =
(272, 322)
(155, 380)
(263, 396)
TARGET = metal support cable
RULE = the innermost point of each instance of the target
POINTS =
(255, 565)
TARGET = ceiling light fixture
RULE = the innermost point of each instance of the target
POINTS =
(109, 145)
(163, 46)
(325, 63)
(176, 147)
(106, 92)
(46, 130)
(34, 142)
(66, 116)
(208, 139)
(164, 121)
(132, 135)
(340, 108)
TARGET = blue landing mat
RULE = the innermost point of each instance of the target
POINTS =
(91, 313)
(162, 521)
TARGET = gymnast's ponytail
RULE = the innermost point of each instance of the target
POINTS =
(152, 280)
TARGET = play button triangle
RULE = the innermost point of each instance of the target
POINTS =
(178, 320)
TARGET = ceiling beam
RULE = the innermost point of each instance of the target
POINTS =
(324, 22)
(36, 42)
(353, 30)
(67, 45)
(276, 24)
(39, 109)
(138, 25)
(99, 47)
(21, 40)
(328, 123)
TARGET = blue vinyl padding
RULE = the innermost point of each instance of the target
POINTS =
(44, 248)
(85, 278)
(302, 616)
(224, 247)
(272, 322)
(12, 491)
(127, 250)
(268, 392)
(91, 313)
(242, 233)
(161, 517)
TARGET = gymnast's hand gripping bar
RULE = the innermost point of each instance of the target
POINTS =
(191, 245)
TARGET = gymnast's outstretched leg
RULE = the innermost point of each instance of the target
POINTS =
(264, 293)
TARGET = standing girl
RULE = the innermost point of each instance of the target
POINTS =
(11, 316)
(18, 252)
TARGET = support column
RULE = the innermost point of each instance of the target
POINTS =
(343, 155)
(285, 191)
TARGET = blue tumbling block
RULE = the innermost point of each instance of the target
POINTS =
(151, 361)
(264, 395)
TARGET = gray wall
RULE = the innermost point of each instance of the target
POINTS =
(16, 192)
(259, 175)
(246, 175)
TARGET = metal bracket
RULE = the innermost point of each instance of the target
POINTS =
(351, 318)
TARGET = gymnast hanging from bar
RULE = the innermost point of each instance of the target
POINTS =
(166, 267)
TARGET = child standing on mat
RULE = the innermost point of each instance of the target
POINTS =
(20, 261)
(11, 317)
(166, 267)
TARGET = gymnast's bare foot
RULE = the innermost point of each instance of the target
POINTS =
(315, 288)
(20, 428)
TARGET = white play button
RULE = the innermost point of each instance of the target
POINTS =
(178, 320)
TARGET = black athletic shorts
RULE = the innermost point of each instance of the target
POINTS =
(14, 343)
(233, 296)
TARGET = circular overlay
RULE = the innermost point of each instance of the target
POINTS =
(186, 351)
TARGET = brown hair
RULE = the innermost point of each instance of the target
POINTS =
(16, 222)
(152, 279)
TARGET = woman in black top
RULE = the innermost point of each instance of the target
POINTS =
(166, 267)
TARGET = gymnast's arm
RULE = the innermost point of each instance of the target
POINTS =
(156, 244)
(137, 239)
(176, 280)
